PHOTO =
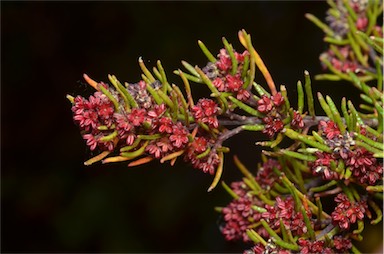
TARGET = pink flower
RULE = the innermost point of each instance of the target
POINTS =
(122, 122)
(130, 138)
(106, 110)
(179, 136)
(154, 149)
(205, 111)
(234, 83)
(240, 57)
(219, 84)
(166, 125)
(199, 144)
(157, 111)
(237, 216)
(137, 116)
(91, 141)
(243, 95)
(361, 23)
(224, 63)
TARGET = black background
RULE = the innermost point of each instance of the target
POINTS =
(51, 202)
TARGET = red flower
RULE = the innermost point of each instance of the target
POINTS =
(85, 113)
(265, 175)
(272, 126)
(238, 216)
(321, 166)
(240, 57)
(219, 84)
(342, 244)
(224, 63)
(307, 246)
(154, 149)
(364, 166)
(80, 104)
(105, 110)
(91, 141)
(347, 213)
(205, 111)
(234, 83)
(329, 128)
(122, 122)
(209, 164)
(297, 121)
(179, 135)
(264, 104)
(130, 138)
(137, 116)
(87, 119)
(157, 111)
(165, 145)
(258, 248)
(277, 99)
(361, 23)
(243, 95)
(209, 106)
(166, 125)
(159, 148)
(199, 144)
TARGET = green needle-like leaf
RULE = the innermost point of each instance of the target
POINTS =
(206, 52)
(326, 29)
(300, 97)
(336, 114)
(245, 107)
(229, 49)
(146, 72)
(325, 106)
(109, 95)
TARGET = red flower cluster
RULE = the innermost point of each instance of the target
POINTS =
(198, 147)
(285, 210)
(205, 111)
(107, 128)
(347, 213)
(307, 247)
(346, 60)
(92, 115)
(344, 65)
(239, 214)
(329, 129)
(271, 107)
(365, 167)
(341, 244)
(238, 217)
(297, 121)
(266, 177)
(223, 79)
(322, 166)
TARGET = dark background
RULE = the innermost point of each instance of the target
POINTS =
(51, 202)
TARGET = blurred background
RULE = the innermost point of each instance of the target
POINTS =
(50, 201)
